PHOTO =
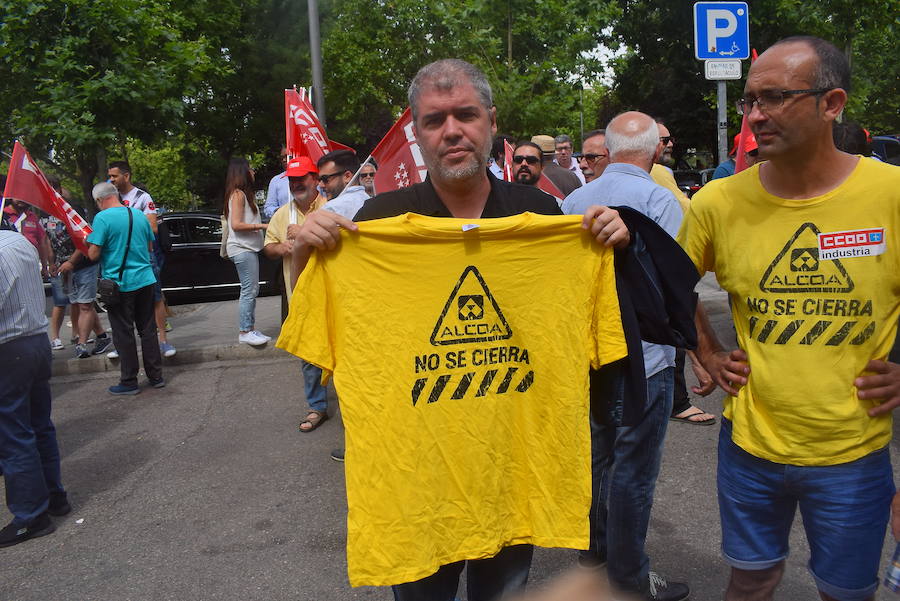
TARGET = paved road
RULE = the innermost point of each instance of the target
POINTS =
(205, 490)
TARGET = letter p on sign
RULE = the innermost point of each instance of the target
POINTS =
(714, 32)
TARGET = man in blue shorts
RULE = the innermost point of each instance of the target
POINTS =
(805, 244)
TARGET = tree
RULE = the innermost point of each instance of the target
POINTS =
(83, 75)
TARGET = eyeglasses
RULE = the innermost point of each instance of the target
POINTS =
(593, 157)
(666, 139)
(772, 99)
(519, 159)
(362, 175)
(324, 178)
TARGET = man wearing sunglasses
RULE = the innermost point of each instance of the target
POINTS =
(662, 168)
(367, 176)
(594, 156)
(807, 419)
(336, 170)
(527, 163)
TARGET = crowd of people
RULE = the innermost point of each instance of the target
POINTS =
(801, 240)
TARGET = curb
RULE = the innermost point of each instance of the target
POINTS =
(188, 356)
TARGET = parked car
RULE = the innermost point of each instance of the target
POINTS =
(691, 180)
(194, 269)
(887, 148)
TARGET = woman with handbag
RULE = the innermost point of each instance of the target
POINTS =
(244, 230)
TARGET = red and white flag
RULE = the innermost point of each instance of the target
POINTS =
(508, 152)
(400, 162)
(550, 188)
(26, 182)
(305, 134)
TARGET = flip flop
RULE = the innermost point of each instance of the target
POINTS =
(314, 419)
(697, 422)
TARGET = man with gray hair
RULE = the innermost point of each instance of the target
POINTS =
(122, 241)
(454, 120)
(564, 156)
(628, 458)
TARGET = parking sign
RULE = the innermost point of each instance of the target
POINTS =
(721, 30)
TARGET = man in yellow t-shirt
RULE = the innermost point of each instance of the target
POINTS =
(804, 243)
(303, 179)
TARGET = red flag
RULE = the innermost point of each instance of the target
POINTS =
(338, 146)
(740, 161)
(508, 151)
(305, 134)
(549, 187)
(400, 162)
(26, 182)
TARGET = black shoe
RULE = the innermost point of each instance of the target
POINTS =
(13, 534)
(103, 342)
(59, 504)
(161, 383)
(660, 589)
(338, 455)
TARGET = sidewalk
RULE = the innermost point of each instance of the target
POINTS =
(201, 332)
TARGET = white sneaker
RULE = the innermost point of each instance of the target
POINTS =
(113, 354)
(261, 335)
(57, 345)
(253, 338)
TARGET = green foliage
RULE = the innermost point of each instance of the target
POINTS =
(160, 170)
(530, 52)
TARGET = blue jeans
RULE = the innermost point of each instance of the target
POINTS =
(60, 298)
(29, 454)
(625, 463)
(487, 579)
(845, 508)
(247, 264)
(316, 394)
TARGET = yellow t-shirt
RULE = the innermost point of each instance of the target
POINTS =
(815, 294)
(277, 232)
(460, 350)
(665, 178)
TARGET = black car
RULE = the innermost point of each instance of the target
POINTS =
(194, 269)
(887, 148)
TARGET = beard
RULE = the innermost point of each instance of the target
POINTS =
(473, 166)
(666, 158)
(527, 177)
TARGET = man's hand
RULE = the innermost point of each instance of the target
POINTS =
(322, 229)
(606, 225)
(293, 231)
(729, 370)
(705, 382)
(884, 386)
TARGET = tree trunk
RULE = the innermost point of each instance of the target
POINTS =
(86, 162)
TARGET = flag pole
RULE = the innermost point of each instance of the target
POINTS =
(355, 175)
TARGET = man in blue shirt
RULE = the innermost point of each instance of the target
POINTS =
(29, 454)
(628, 458)
(108, 243)
(279, 192)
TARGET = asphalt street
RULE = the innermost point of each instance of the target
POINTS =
(206, 490)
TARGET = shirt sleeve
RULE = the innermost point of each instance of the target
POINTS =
(98, 235)
(606, 328)
(149, 205)
(695, 240)
(271, 204)
(308, 329)
(273, 232)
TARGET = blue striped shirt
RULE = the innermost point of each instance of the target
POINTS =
(21, 289)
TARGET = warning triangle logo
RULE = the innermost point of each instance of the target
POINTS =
(471, 314)
(797, 267)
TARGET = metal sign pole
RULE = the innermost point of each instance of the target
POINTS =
(722, 118)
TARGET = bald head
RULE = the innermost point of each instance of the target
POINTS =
(633, 137)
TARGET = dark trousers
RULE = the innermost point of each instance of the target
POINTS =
(135, 310)
(681, 400)
(29, 455)
(488, 579)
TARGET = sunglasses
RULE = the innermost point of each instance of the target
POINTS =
(324, 178)
(362, 175)
(519, 159)
(666, 139)
(593, 157)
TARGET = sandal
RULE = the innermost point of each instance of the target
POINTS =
(313, 420)
(708, 421)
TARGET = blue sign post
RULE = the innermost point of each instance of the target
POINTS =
(721, 30)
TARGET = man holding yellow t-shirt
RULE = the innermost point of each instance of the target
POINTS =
(805, 245)
(454, 121)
